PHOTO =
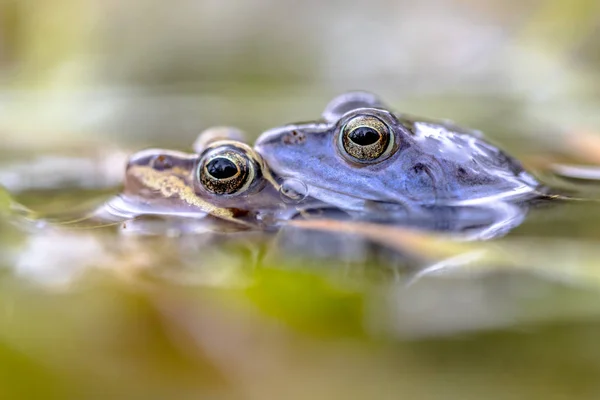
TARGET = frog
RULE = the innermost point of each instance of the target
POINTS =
(226, 179)
(223, 179)
(363, 156)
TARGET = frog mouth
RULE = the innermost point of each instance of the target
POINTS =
(358, 203)
(351, 202)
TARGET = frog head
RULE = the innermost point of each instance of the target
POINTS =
(360, 154)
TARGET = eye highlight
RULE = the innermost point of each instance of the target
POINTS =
(365, 139)
(226, 170)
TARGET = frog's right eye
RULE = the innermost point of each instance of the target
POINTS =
(365, 139)
(226, 171)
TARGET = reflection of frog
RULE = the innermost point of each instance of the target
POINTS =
(226, 179)
(363, 155)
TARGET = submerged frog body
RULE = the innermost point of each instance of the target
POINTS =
(361, 156)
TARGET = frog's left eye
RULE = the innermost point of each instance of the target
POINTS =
(226, 171)
(365, 139)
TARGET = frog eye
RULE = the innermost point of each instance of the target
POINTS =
(365, 139)
(226, 171)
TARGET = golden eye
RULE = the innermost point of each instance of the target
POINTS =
(365, 138)
(226, 171)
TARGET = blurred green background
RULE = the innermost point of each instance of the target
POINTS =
(158, 72)
(96, 313)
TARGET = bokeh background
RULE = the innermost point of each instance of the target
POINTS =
(159, 72)
(88, 314)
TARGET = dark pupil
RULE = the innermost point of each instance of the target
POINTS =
(221, 168)
(364, 136)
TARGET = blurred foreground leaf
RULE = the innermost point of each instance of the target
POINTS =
(22, 378)
(307, 301)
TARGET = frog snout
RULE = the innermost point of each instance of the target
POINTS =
(271, 138)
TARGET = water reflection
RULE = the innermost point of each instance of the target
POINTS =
(327, 237)
(481, 222)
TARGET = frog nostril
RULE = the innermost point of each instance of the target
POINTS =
(161, 162)
(294, 137)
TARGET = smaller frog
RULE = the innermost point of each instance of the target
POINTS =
(225, 179)
(363, 157)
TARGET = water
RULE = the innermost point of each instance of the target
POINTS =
(155, 308)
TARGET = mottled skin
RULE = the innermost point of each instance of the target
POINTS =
(429, 163)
